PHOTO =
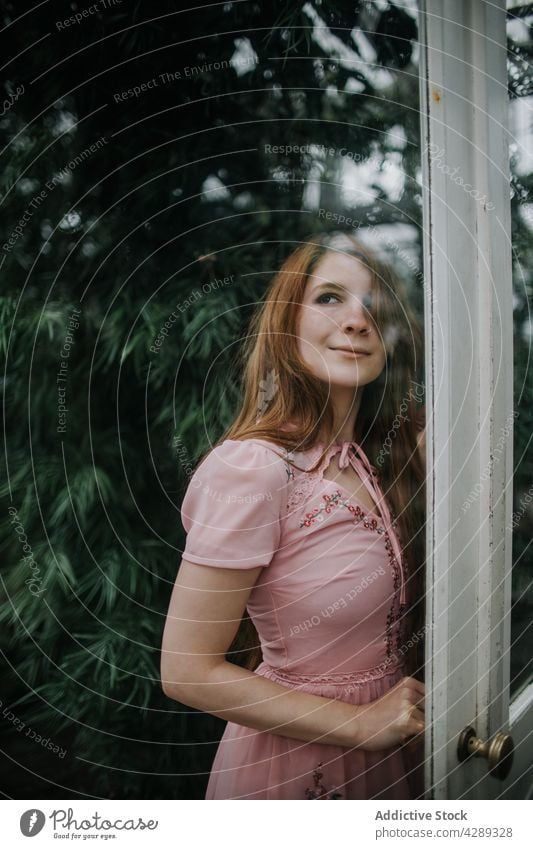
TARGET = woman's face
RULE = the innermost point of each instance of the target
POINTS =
(334, 316)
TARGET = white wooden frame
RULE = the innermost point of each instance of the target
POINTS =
(469, 378)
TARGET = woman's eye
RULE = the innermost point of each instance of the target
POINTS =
(325, 295)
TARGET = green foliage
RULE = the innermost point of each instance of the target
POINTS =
(183, 192)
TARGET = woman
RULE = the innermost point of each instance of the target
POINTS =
(317, 553)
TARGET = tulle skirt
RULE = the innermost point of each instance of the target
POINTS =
(251, 764)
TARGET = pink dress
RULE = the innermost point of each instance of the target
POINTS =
(327, 607)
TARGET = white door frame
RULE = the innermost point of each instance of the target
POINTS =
(469, 378)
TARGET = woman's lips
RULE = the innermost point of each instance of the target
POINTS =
(349, 353)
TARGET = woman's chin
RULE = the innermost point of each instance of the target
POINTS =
(341, 381)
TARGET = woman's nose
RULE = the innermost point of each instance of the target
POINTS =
(356, 317)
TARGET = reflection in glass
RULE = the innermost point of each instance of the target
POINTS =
(520, 44)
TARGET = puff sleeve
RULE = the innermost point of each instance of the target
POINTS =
(232, 506)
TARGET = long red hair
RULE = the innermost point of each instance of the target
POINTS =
(389, 416)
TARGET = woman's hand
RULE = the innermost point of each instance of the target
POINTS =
(394, 719)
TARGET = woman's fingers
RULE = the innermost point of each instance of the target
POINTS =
(417, 716)
(418, 686)
(419, 692)
(420, 703)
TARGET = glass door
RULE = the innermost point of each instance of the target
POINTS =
(475, 112)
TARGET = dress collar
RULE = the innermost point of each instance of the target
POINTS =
(344, 459)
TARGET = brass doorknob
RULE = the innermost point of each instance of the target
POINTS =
(499, 751)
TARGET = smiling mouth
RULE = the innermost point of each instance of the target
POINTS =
(348, 353)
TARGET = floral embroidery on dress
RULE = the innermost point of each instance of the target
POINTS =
(336, 498)
(319, 791)
(302, 490)
(394, 616)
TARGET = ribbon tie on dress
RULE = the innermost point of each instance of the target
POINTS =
(352, 454)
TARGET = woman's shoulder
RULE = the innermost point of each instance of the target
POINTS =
(247, 447)
(256, 447)
(244, 457)
(233, 505)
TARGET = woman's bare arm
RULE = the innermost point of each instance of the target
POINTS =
(205, 610)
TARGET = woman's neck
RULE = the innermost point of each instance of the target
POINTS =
(345, 417)
(346, 404)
